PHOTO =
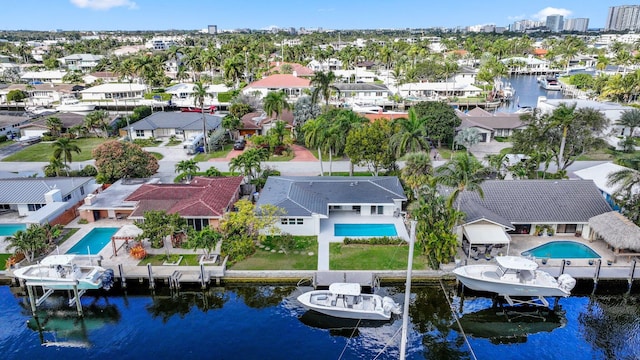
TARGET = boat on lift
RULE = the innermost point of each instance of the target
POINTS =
(63, 272)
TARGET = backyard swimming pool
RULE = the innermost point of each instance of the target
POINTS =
(10, 229)
(365, 230)
(562, 250)
(93, 242)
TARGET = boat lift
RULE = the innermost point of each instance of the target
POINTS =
(46, 287)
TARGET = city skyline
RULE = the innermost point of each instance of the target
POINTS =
(257, 14)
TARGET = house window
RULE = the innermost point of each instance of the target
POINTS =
(5, 207)
(81, 190)
(292, 221)
(377, 209)
(67, 197)
(139, 133)
(34, 207)
(198, 224)
(568, 228)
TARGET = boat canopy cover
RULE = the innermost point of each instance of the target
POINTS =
(486, 234)
(352, 289)
(516, 263)
(57, 260)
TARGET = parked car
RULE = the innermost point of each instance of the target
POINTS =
(239, 144)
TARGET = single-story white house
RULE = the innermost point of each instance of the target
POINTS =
(366, 93)
(48, 76)
(314, 205)
(182, 94)
(437, 90)
(114, 91)
(181, 124)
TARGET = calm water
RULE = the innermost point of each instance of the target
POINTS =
(527, 92)
(562, 250)
(268, 323)
(365, 230)
(93, 242)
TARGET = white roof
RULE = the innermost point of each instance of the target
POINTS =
(516, 263)
(114, 87)
(352, 289)
(599, 174)
(439, 86)
(486, 234)
(49, 74)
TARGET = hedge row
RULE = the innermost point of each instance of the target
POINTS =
(384, 240)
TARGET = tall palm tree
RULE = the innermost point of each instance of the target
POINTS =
(411, 134)
(315, 132)
(323, 85)
(626, 180)
(248, 163)
(55, 167)
(63, 148)
(199, 95)
(188, 167)
(276, 102)
(462, 173)
(279, 130)
(97, 120)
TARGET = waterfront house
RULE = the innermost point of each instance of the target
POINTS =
(182, 94)
(356, 76)
(48, 76)
(41, 94)
(103, 76)
(202, 202)
(312, 205)
(42, 200)
(599, 174)
(114, 91)
(438, 90)
(490, 125)
(362, 93)
(563, 207)
(111, 203)
(80, 62)
(292, 85)
(526, 65)
(327, 65)
(181, 124)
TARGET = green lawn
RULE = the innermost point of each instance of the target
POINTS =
(43, 151)
(174, 142)
(3, 260)
(298, 259)
(156, 155)
(281, 157)
(372, 257)
(445, 153)
(597, 155)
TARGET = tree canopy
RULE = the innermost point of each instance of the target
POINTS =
(369, 145)
(439, 118)
(116, 160)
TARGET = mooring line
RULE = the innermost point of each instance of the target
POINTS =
(455, 315)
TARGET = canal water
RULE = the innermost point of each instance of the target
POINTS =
(527, 92)
(267, 322)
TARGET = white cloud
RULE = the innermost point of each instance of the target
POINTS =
(104, 4)
(542, 14)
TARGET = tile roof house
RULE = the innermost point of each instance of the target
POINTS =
(519, 206)
(490, 125)
(313, 205)
(202, 202)
(292, 85)
(181, 124)
(43, 199)
(258, 123)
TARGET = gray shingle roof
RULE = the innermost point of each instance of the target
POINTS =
(533, 201)
(32, 190)
(306, 195)
(176, 120)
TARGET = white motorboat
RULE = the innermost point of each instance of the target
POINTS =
(550, 83)
(346, 300)
(71, 104)
(62, 272)
(514, 276)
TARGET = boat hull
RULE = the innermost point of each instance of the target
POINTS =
(478, 277)
(78, 107)
(62, 277)
(371, 306)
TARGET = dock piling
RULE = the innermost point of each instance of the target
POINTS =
(152, 284)
(123, 280)
(596, 275)
(633, 270)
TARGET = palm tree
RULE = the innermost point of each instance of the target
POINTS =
(315, 132)
(467, 137)
(323, 85)
(188, 167)
(630, 119)
(411, 135)
(462, 173)
(417, 171)
(63, 147)
(625, 180)
(29, 241)
(248, 163)
(276, 102)
(54, 125)
(97, 120)
(279, 130)
(55, 167)
(231, 123)
(199, 95)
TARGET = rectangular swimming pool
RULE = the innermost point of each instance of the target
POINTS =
(10, 229)
(93, 242)
(365, 230)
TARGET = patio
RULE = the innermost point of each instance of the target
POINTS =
(327, 225)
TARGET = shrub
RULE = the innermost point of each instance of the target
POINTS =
(83, 221)
(89, 170)
(138, 252)
(3, 138)
(13, 260)
(384, 240)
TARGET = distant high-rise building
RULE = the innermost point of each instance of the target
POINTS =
(578, 24)
(523, 25)
(213, 29)
(625, 17)
(555, 23)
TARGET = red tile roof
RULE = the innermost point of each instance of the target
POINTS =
(203, 197)
(374, 117)
(281, 81)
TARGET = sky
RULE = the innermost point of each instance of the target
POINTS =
(263, 14)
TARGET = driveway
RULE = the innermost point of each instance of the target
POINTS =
(10, 149)
(481, 150)
(300, 153)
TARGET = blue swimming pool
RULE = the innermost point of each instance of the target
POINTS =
(365, 230)
(562, 250)
(93, 242)
(10, 229)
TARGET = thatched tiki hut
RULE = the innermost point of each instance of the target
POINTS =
(616, 230)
